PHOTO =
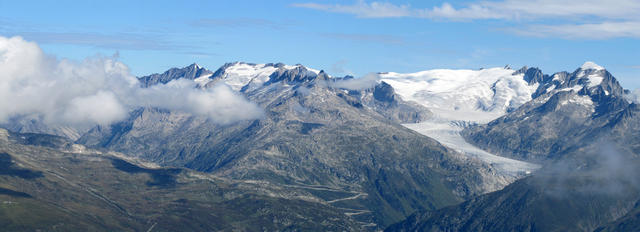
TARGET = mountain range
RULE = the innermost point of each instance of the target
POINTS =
(440, 150)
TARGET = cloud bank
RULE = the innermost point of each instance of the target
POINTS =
(99, 90)
(603, 169)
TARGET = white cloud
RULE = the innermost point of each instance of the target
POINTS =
(619, 18)
(101, 108)
(365, 82)
(605, 30)
(222, 104)
(447, 11)
(98, 90)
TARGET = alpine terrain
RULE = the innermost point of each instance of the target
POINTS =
(439, 150)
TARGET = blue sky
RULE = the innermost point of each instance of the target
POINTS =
(341, 37)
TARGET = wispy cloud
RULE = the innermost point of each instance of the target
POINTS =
(375, 38)
(130, 39)
(239, 22)
(473, 11)
(124, 41)
(363, 9)
(200, 54)
(365, 82)
(510, 9)
(603, 9)
(619, 18)
(605, 30)
(339, 67)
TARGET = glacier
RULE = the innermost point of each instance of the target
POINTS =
(459, 98)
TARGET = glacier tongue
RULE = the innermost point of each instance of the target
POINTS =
(447, 132)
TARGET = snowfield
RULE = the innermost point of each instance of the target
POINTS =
(494, 90)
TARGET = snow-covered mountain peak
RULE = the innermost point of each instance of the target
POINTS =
(592, 73)
(591, 66)
(590, 79)
(239, 75)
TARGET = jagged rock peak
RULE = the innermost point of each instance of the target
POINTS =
(589, 79)
(190, 72)
(532, 75)
(297, 74)
(521, 70)
(384, 92)
(323, 75)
